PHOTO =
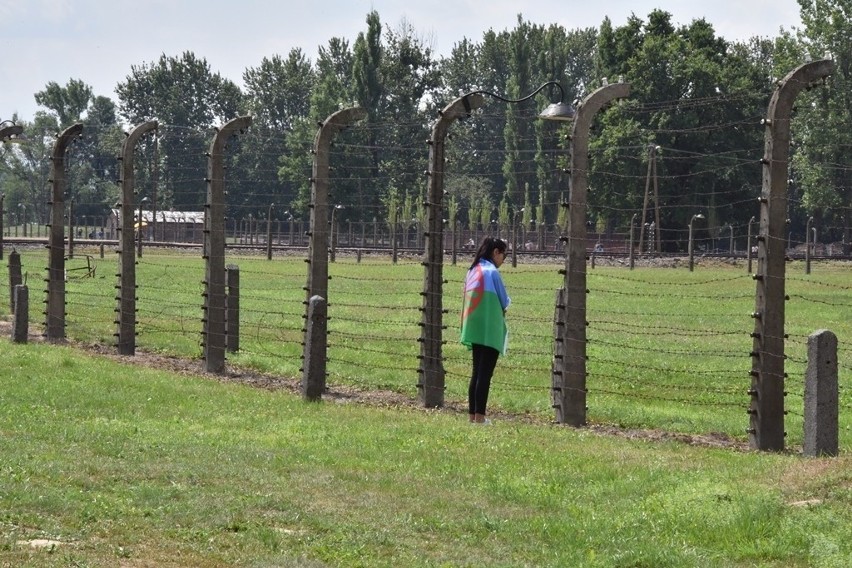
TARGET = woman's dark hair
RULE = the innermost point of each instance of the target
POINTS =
(487, 248)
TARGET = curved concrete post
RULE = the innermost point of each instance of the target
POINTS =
(316, 347)
(766, 410)
(6, 132)
(126, 308)
(55, 314)
(569, 377)
(430, 387)
(214, 246)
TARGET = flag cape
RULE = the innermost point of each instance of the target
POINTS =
(485, 301)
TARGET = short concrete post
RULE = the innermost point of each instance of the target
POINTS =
(821, 395)
(20, 323)
(14, 277)
(232, 308)
(316, 345)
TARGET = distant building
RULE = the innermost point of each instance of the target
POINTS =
(170, 226)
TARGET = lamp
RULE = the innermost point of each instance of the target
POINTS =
(554, 111)
(11, 132)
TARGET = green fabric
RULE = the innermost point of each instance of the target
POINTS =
(485, 324)
(483, 310)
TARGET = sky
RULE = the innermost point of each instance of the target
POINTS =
(97, 41)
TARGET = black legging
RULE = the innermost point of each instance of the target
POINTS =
(484, 361)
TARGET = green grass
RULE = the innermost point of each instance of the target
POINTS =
(129, 466)
(668, 348)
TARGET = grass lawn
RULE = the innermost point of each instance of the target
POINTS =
(110, 463)
(122, 465)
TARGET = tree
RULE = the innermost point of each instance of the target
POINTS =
(331, 90)
(68, 102)
(28, 166)
(821, 162)
(278, 96)
(91, 178)
(188, 100)
(692, 95)
(93, 182)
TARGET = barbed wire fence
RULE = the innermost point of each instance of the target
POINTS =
(655, 352)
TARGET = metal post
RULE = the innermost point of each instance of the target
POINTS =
(731, 245)
(126, 308)
(749, 245)
(139, 225)
(71, 228)
(515, 238)
(455, 243)
(631, 253)
(690, 245)
(808, 245)
(214, 247)
(55, 313)
(269, 232)
(333, 235)
(569, 373)
(766, 408)
(394, 243)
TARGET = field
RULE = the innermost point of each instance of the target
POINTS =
(112, 463)
(667, 349)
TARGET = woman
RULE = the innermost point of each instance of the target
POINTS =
(484, 329)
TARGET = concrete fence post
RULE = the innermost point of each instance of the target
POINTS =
(821, 395)
(14, 277)
(125, 320)
(21, 321)
(430, 386)
(232, 308)
(570, 393)
(766, 406)
(316, 347)
(314, 366)
(214, 247)
(7, 133)
(55, 312)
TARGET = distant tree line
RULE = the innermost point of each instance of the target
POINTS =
(697, 99)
